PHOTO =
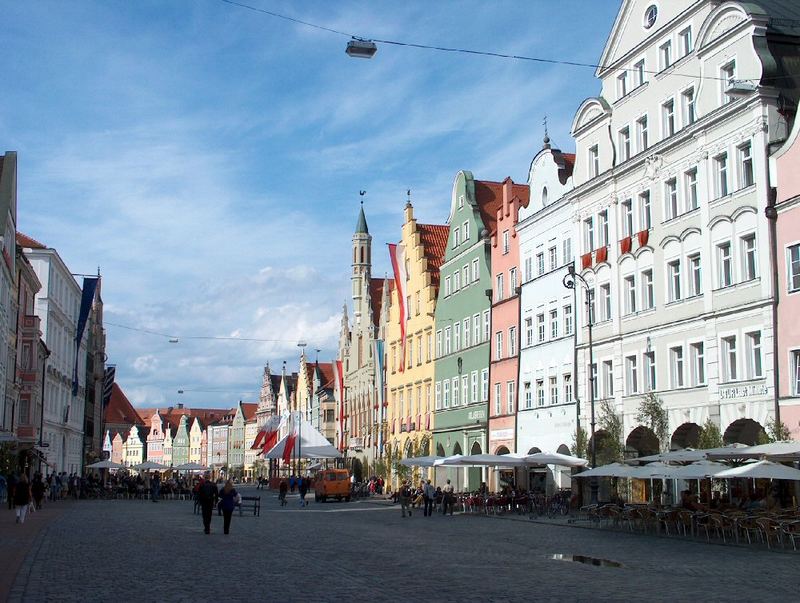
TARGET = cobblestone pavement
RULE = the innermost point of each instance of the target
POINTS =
(130, 550)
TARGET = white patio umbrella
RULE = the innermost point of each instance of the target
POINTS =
(686, 455)
(148, 465)
(655, 470)
(698, 470)
(761, 470)
(777, 451)
(105, 465)
(191, 467)
(490, 460)
(421, 461)
(555, 458)
(612, 470)
(448, 461)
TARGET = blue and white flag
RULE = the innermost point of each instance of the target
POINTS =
(87, 299)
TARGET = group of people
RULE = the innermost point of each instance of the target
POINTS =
(303, 485)
(425, 495)
(208, 495)
(24, 496)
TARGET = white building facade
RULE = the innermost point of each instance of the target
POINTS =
(57, 305)
(670, 190)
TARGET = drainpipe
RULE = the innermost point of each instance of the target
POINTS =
(771, 213)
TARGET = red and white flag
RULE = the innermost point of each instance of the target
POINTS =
(340, 382)
(397, 252)
(291, 439)
(270, 433)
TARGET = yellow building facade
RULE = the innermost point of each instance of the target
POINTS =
(409, 393)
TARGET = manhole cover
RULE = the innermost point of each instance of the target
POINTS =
(586, 560)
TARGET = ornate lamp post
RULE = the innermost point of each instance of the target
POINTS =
(570, 279)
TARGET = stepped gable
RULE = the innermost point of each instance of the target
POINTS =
(434, 243)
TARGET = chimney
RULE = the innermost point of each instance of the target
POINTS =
(180, 405)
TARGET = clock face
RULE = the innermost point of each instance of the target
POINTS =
(650, 16)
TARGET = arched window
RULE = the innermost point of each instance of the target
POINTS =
(544, 196)
(362, 255)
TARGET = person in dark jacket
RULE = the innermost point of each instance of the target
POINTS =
(22, 498)
(37, 490)
(229, 498)
(282, 490)
(303, 488)
(207, 495)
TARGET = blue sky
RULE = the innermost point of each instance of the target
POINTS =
(208, 158)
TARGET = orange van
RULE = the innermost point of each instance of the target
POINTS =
(330, 483)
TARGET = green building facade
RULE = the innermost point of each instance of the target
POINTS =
(462, 329)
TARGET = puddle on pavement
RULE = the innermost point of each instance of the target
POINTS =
(586, 560)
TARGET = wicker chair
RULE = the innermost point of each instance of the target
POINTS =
(791, 532)
(770, 530)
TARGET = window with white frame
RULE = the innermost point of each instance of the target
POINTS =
(512, 341)
(645, 213)
(608, 378)
(438, 343)
(456, 236)
(594, 161)
(499, 287)
(540, 327)
(567, 249)
(698, 360)
(588, 234)
(695, 275)
(721, 175)
(540, 392)
(729, 359)
(650, 371)
(553, 381)
(476, 275)
(665, 55)
(795, 372)
(724, 265)
(447, 286)
(749, 257)
(447, 333)
(457, 336)
(553, 256)
(511, 395)
(685, 42)
(590, 299)
(668, 118)
(674, 280)
(528, 268)
(465, 275)
(474, 380)
(671, 199)
(629, 286)
(465, 230)
(793, 268)
(688, 107)
(467, 333)
(476, 329)
(486, 325)
(648, 294)
(627, 218)
(690, 183)
(624, 142)
(639, 75)
(727, 74)
(540, 262)
(528, 331)
(528, 395)
(568, 319)
(602, 218)
(642, 135)
(456, 390)
(676, 367)
(512, 274)
(553, 324)
(506, 242)
(446, 393)
(605, 301)
(567, 388)
(497, 399)
(754, 360)
(456, 280)
(745, 154)
(622, 84)
(631, 375)
(498, 345)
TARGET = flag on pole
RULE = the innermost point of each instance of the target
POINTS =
(291, 439)
(87, 299)
(271, 433)
(379, 386)
(340, 381)
(397, 253)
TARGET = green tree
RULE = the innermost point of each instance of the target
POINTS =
(401, 470)
(653, 415)
(609, 443)
(579, 442)
(777, 431)
(710, 436)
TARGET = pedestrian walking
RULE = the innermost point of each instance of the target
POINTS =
(405, 498)
(447, 498)
(229, 498)
(291, 483)
(303, 488)
(282, 490)
(207, 495)
(155, 487)
(429, 494)
(37, 491)
(22, 498)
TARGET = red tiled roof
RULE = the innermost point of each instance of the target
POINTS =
(120, 410)
(569, 166)
(376, 296)
(173, 415)
(24, 240)
(434, 243)
(249, 410)
(489, 196)
(326, 375)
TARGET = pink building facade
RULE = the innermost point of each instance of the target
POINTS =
(785, 167)
(504, 359)
(155, 439)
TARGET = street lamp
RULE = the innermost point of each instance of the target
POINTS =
(569, 281)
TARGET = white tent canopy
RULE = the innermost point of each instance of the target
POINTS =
(449, 461)
(105, 465)
(421, 461)
(489, 460)
(761, 470)
(310, 444)
(612, 470)
(555, 458)
(779, 451)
